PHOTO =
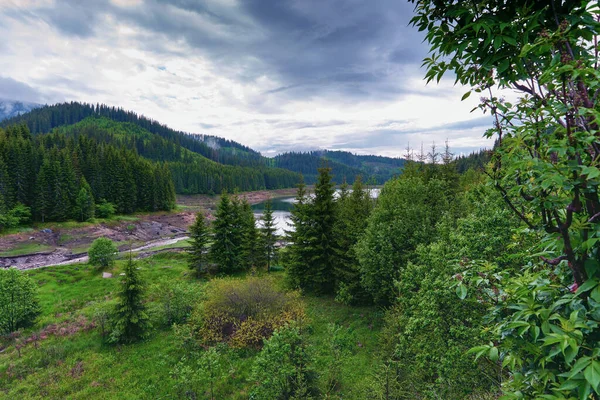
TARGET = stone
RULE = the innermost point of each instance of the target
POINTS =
(107, 275)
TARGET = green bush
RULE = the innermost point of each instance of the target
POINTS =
(176, 302)
(283, 369)
(105, 209)
(244, 312)
(19, 306)
(102, 253)
(19, 215)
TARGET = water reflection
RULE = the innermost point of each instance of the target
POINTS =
(281, 211)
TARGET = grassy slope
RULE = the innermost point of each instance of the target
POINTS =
(79, 366)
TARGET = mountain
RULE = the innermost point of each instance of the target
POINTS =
(345, 165)
(12, 108)
(234, 165)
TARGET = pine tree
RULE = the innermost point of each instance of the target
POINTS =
(131, 321)
(250, 240)
(312, 252)
(200, 235)
(353, 210)
(296, 237)
(322, 241)
(224, 251)
(45, 191)
(268, 233)
(85, 205)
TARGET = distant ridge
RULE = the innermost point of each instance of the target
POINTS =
(345, 165)
(13, 108)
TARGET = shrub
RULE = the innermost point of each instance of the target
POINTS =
(102, 253)
(283, 369)
(244, 312)
(200, 377)
(176, 302)
(105, 209)
(19, 215)
(19, 306)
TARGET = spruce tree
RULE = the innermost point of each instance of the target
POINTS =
(297, 236)
(312, 257)
(84, 203)
(353, 210)
(45, 191)
(200, 235)
(268, 233)
(250, 240)
(225, 249)
(321, 242)
(131, 323)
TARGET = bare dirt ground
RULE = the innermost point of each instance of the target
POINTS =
(68, 245)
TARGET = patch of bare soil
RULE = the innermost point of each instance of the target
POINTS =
(71, 244)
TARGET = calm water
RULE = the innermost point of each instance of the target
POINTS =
(281, 211)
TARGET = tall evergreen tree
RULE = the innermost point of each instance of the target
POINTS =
(131, 321)
(296, 237)
(198, 253)
(85, 205)
(322, 238)
(250, 240)
(353, 210)
(313, 258)
(268, 234)
(225, 250)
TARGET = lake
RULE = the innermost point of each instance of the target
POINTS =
(281, 211)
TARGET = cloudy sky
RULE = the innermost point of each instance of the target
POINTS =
(276, 75)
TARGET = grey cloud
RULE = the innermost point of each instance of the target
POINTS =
(354, 48)
(14, 90)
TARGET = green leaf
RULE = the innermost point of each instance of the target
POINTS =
(493, 354)
(465, 96)
(582, 363)
(592, 375)
(461, 291)
(570, 384)
(587, 285)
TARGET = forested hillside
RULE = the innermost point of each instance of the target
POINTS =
(57, 177)
(192, 172)
(344, 165)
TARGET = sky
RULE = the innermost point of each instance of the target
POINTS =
(275, 75)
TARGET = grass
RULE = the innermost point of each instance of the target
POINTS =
(80, 366)
(25, 248)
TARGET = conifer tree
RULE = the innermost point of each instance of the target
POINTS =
(353, 210)
(131, 321)
(224, 251)
(268, 233)
(296, 237)
(45, 191)
(200, 235)
(312, 258)
(249, 240)
(85, 205)
(322, 241)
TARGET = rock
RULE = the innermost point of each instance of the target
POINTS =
(122, 274)
(47, 230)
(107, 275)
(31, 238)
